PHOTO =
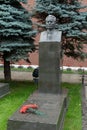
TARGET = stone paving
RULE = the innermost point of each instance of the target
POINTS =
(15, 75)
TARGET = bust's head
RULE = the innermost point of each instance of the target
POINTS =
(50, 22)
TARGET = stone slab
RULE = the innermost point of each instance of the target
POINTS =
(53, 105)
(4, 89)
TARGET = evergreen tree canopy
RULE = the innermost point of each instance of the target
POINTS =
(71, 20)
(16, 32)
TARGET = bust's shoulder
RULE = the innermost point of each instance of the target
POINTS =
(57, 31)
(44, 32)
(54, 31)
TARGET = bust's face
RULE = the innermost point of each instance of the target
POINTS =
(50, 23)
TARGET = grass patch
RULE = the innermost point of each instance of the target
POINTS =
(20, 91)
(73, 116)
(20, 68)
(10, 103)
(74, 71)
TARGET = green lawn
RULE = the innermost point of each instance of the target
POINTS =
(20, 91)
(9, 104)
(73, 117)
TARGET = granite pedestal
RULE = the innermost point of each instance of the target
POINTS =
(4, 89)
(49, 67)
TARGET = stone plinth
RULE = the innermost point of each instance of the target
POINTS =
(49, 70)
(4, 89)
(50, 105)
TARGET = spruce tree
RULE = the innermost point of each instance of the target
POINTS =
(16, 33)
(71, 20)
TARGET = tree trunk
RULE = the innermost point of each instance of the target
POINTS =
(7, 70)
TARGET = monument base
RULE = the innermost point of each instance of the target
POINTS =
(4, 89)
(53, 106)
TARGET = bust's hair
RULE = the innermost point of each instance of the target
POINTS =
(51, 16)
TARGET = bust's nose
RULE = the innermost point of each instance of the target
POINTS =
(49, 22)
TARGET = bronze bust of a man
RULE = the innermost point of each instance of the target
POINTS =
(51, 34)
